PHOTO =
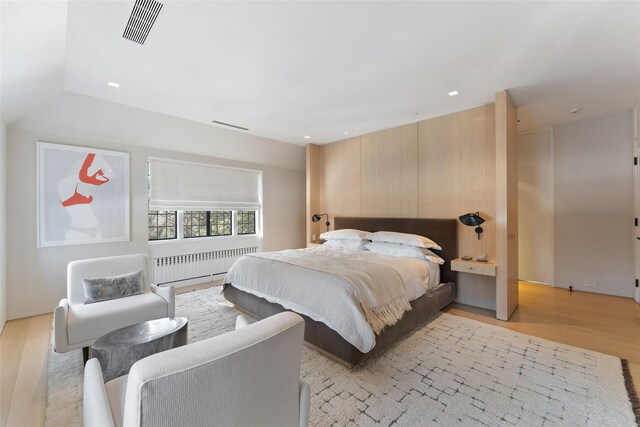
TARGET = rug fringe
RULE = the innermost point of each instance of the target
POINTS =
(633, 396)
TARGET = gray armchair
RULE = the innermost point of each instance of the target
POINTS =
(248, 377)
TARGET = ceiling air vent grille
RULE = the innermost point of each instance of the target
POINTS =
(229, 125)
(142, 18)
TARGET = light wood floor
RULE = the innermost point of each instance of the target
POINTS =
(595, 322)
(24, 347)
(600, 323)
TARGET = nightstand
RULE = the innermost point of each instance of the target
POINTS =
(313, 244)
(474, 267)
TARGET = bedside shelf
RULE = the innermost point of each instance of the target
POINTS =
(474, 267)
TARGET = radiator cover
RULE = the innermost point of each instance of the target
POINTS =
(194, 268)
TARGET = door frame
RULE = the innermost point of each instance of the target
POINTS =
(636, 185)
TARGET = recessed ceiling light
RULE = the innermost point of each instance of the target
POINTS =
(346, 133)
(453, 93)
(114, 84)
(307, 137)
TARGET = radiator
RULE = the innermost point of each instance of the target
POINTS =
(197, 267)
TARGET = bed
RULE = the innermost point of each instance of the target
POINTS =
(331, 343)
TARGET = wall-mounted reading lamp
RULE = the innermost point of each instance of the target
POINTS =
(472, 220)
(318, 217)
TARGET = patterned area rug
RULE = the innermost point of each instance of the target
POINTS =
(452, 371)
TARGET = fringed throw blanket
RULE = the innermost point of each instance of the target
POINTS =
(379, 288)
(353, 296)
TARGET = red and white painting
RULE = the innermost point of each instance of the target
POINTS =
(83, 195)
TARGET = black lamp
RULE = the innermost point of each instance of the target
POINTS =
(472, 220)
(318, 217)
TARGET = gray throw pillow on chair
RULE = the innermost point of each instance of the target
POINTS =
(106, 288)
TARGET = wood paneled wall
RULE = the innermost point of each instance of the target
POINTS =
(389, 173)
(506, 206)
(313, 191)
(456, 158)
(341, 178)
(437, 168)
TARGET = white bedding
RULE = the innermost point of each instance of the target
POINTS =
(325, 297)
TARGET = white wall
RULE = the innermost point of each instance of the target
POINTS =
(535, 207)
(593, 200)
(3, 216)
(36, 277)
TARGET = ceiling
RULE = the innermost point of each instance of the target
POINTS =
(330, 70)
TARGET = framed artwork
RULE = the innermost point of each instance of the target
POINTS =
(83, 195)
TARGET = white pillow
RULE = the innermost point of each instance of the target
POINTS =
(354, 245)
(345, 233)
(393, 249)
(402, 239)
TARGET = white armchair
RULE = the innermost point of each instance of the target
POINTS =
(78, 325)
(248, 377)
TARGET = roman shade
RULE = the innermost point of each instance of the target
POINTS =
(177, 185)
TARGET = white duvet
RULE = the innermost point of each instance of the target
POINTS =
(330, 298)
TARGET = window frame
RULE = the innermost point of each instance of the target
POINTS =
(179, 225)
(175, 214)
(207, 226)
(237, 223)
(232, 231)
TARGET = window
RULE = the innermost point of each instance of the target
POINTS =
(221, 200)
(206, 223)
(220, 223)
(165, 224)
(246, 222)
(195, 224)
(162, 225)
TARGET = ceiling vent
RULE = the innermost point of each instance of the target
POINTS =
(142, 18)
(228, 124)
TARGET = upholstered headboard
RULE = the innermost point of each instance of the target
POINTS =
(442, 231)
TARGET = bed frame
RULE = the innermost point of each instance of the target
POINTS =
(329, 342)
